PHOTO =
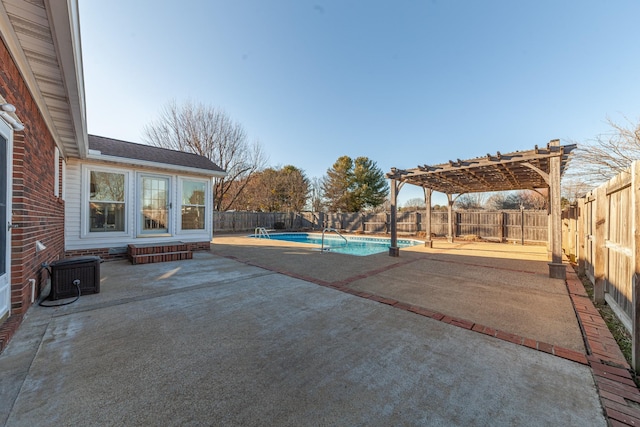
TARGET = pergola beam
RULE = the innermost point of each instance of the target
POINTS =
(537, 168)
(507, 174)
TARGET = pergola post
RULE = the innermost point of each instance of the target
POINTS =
(393, 248)
(557, 269)
(495, 172)
(427, 201)
(450, 218)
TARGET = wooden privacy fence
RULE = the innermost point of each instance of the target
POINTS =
(600, 231)
(248, 221)
(498, 225)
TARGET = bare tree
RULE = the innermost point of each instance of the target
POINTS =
(315, 202)
(471, 201)
(605, 156)
(414, 204)
(209, 132)
(527, 199)
(497, 201)
(573, 189)
(530, 199)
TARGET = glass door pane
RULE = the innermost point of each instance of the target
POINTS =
(5, 217)
(155, 205)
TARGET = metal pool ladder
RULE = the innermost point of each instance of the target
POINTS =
(330, 230)
(261, 232)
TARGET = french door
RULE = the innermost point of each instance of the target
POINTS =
(5, 220)
(155, 206)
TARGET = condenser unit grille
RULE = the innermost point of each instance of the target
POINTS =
(65, 272)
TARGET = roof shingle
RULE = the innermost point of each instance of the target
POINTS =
(130, 150)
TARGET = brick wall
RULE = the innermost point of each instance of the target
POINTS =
(106, 256)
(101, 252)
(38, 214)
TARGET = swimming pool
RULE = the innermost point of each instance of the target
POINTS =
(353, 245)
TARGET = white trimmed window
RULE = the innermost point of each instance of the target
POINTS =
(193, 205)
(107, 207)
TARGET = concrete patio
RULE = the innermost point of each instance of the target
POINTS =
(216, 341)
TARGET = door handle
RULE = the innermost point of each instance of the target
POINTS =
(10, 226)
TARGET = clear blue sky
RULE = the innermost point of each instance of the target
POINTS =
(401, 82)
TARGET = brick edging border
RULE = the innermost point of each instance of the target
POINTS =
(619, 395)
(8, 328)
(565, 353)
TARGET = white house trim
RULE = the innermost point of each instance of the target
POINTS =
(5, 276)
(29, 38)
(77, 179)
(155, 165)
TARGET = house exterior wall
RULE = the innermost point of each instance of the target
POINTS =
(112, 245)
(37, 212)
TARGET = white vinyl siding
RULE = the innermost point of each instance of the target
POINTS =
(56, 177)
(76, 192)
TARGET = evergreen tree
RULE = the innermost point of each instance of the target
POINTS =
(337, 185)
(370, 187)
(352, 186)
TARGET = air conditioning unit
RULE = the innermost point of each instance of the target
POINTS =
(66, 273)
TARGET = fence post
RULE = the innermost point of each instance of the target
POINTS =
(522, 225)
(599, 243)
(635, 297)
(580, 231)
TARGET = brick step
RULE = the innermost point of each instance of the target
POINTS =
(161, 257)
(155, 248)
(146, 253)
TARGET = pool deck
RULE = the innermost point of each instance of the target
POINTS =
(261, 332)
(500, 286)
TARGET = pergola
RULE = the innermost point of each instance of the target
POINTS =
(535, 169)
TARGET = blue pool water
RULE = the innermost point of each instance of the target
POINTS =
(355, 245)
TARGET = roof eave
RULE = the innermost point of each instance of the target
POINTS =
(65, 28)
(62, 16)
(155, 165)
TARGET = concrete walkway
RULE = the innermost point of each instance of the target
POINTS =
(212, 341)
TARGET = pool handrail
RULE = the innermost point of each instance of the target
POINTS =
(329, 229)
(261, 232)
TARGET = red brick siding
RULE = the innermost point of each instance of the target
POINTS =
(105, 255)
(101, 252)
(38, 214)
(199, 246)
